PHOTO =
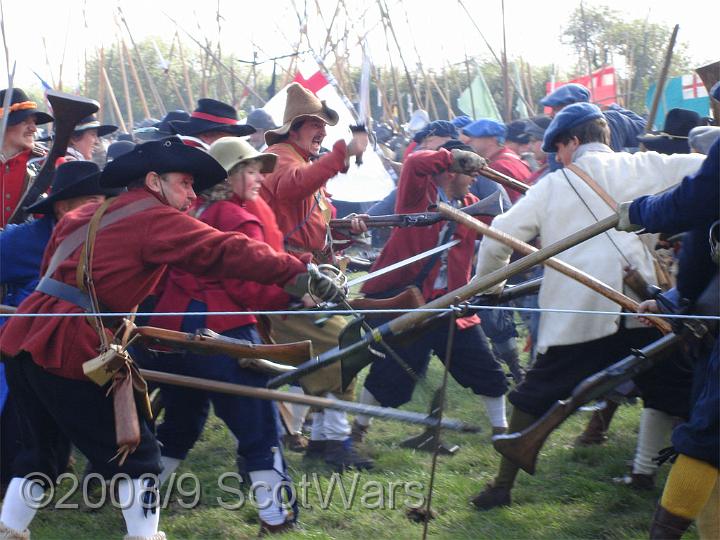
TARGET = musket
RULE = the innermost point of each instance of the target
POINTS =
(205, 341)
(503, 179)
(490, 206)
(68, 110)
(354, 356)
(523, 448)
(556, 264)
(387, 413)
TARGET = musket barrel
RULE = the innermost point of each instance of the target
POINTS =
(411, 319)
(504, 179)
(388, 413)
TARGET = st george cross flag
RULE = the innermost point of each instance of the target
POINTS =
(368, 182)
(684, 92)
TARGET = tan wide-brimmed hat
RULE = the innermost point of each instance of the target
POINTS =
(301, 102)
(229, 151)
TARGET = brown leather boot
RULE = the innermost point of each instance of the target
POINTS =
(286, 526)
(597, 428)
(641, 482)
(492, 497)
(315, 450)
(359, 432)
(295, 442)
(667, 526)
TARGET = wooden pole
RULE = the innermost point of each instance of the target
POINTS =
(114, 101)
(101, 85)
(47, 64)
(126, 87)
(451, 114)
(387, 110)
(507, 116)
(397, 97)
(136, 79)
(470, 81)
(186, 75)
(151, 84)
(448, 96)
(556, 264)
(212, 56)
(411, 85)
(170, 78)
(499, 62)
(660, 87)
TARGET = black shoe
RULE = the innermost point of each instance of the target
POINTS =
(315, 450)
(342, 455)
(492, 497)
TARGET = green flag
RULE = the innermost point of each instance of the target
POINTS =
(477, 101)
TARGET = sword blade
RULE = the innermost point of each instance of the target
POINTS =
(404, 262)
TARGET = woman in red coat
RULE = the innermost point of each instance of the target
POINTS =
(233, 206)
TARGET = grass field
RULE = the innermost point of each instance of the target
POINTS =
(571, 495)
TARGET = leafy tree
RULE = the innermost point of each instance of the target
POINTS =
(600, 36)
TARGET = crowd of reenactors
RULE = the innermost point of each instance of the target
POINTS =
(210, 217)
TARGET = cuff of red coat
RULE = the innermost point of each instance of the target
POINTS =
(337, 156)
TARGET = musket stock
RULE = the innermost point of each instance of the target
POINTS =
(208, 342)
(523, 448)
(407, 321)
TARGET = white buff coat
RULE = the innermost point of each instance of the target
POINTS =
(552, 210)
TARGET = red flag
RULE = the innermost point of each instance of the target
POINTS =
(603, 90)
(314, 83)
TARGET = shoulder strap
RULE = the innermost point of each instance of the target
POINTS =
(78, 236)
(592, 184)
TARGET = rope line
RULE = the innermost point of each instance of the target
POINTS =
(368, 311)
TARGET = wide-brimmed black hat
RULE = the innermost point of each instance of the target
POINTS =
(164, 127)
(168, 155)
(212, 115)
(673, 138)
(72, 179)
(91, 122)
(21, 107)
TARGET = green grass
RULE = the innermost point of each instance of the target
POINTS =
(571, 495)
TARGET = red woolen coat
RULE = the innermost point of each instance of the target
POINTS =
(12, 183)
(130, 256)
(416, 191)
(508, 162)
(255, 220)
(290, 190)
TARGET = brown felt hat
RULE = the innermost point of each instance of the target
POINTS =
(301, 102)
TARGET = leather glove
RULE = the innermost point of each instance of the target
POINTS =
(315, 283)
(624, 224)
(465, 162)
